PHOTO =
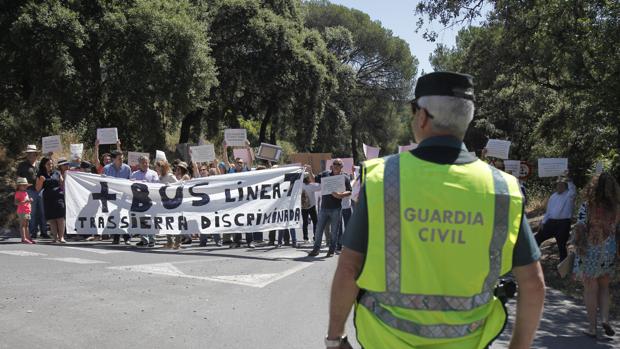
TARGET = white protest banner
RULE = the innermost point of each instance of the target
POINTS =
(160, 155)
(332, 184)
(107, 135)
(552, 167)
(404, 148)
(513, 167)
(51, 144)
(133, 156)
(240, 202)
(599, 168)
(244, 154)
(269, 152)
(203, 153)
(77, 149)
(498, 149)
(347, 165)
(235, 137)
(371, 152)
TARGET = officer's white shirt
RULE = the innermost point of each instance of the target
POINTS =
(560, 206)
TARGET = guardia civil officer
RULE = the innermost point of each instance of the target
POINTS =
(433, 231)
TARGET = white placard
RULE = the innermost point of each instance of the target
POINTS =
(203, 153)
(599, 168)
(513, 167)
(269, 152)
(332, 184)
(77, 149)
(244, 154)
(133, 156)
(404, 148)
(552, 167)
(371, 152)
(160, 155)
(498, 149)
(107, 135)
(235, 137)
(51, 144)
(203, 205)
(347, 165)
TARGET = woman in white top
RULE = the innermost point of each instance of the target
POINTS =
(165, 176)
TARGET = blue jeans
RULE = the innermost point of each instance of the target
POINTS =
(37, 217)
(346, 215)
(281, 235)
(331, 216)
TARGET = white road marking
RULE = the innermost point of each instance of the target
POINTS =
(76, 260)
(96, 250)
(252, 280)
(23, 253)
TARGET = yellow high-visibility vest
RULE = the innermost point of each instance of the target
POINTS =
(439, 237)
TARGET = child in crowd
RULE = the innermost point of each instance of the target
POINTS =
(22, 200)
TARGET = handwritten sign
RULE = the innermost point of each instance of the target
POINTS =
(133, 156)
(235, 137)
(203, 153)
(269, 152)
(371, 152)
(552, 167)
(332, 184)
(51, 144)
(107, 135)
(77, 149)
(160, 155)
(498, 149)
(316, 160)
(404, 148)
(513, 167)
(244, 154)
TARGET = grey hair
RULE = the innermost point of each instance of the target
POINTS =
(450, 114)
(143, 157)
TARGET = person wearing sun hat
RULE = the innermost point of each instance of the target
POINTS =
(28, 169)
(23, 201)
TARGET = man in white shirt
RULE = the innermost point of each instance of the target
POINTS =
(145, 174)
(557, 220)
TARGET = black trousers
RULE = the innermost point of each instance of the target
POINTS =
(248, 237)
(304, 215)
(558, 228)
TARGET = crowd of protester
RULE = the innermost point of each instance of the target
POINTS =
(41, 204)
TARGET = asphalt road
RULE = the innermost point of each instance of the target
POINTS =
(96, 295)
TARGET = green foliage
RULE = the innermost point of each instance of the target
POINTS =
(547, 77)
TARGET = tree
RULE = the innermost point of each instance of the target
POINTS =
(382, 66)
(546, 75)
(136, 65)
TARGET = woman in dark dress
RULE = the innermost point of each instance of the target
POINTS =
(51, 182)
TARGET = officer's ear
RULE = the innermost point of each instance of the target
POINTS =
(424, 118)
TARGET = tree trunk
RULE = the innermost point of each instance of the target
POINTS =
(273, 131)
(263, 125)
(354, 142)
(191, 119)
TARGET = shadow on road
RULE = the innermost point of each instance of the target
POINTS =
(562, 325)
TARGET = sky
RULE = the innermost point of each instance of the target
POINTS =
(399, 16)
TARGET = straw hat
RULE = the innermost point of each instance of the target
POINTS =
(31, 148)
(21, 181)
(62, 161)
